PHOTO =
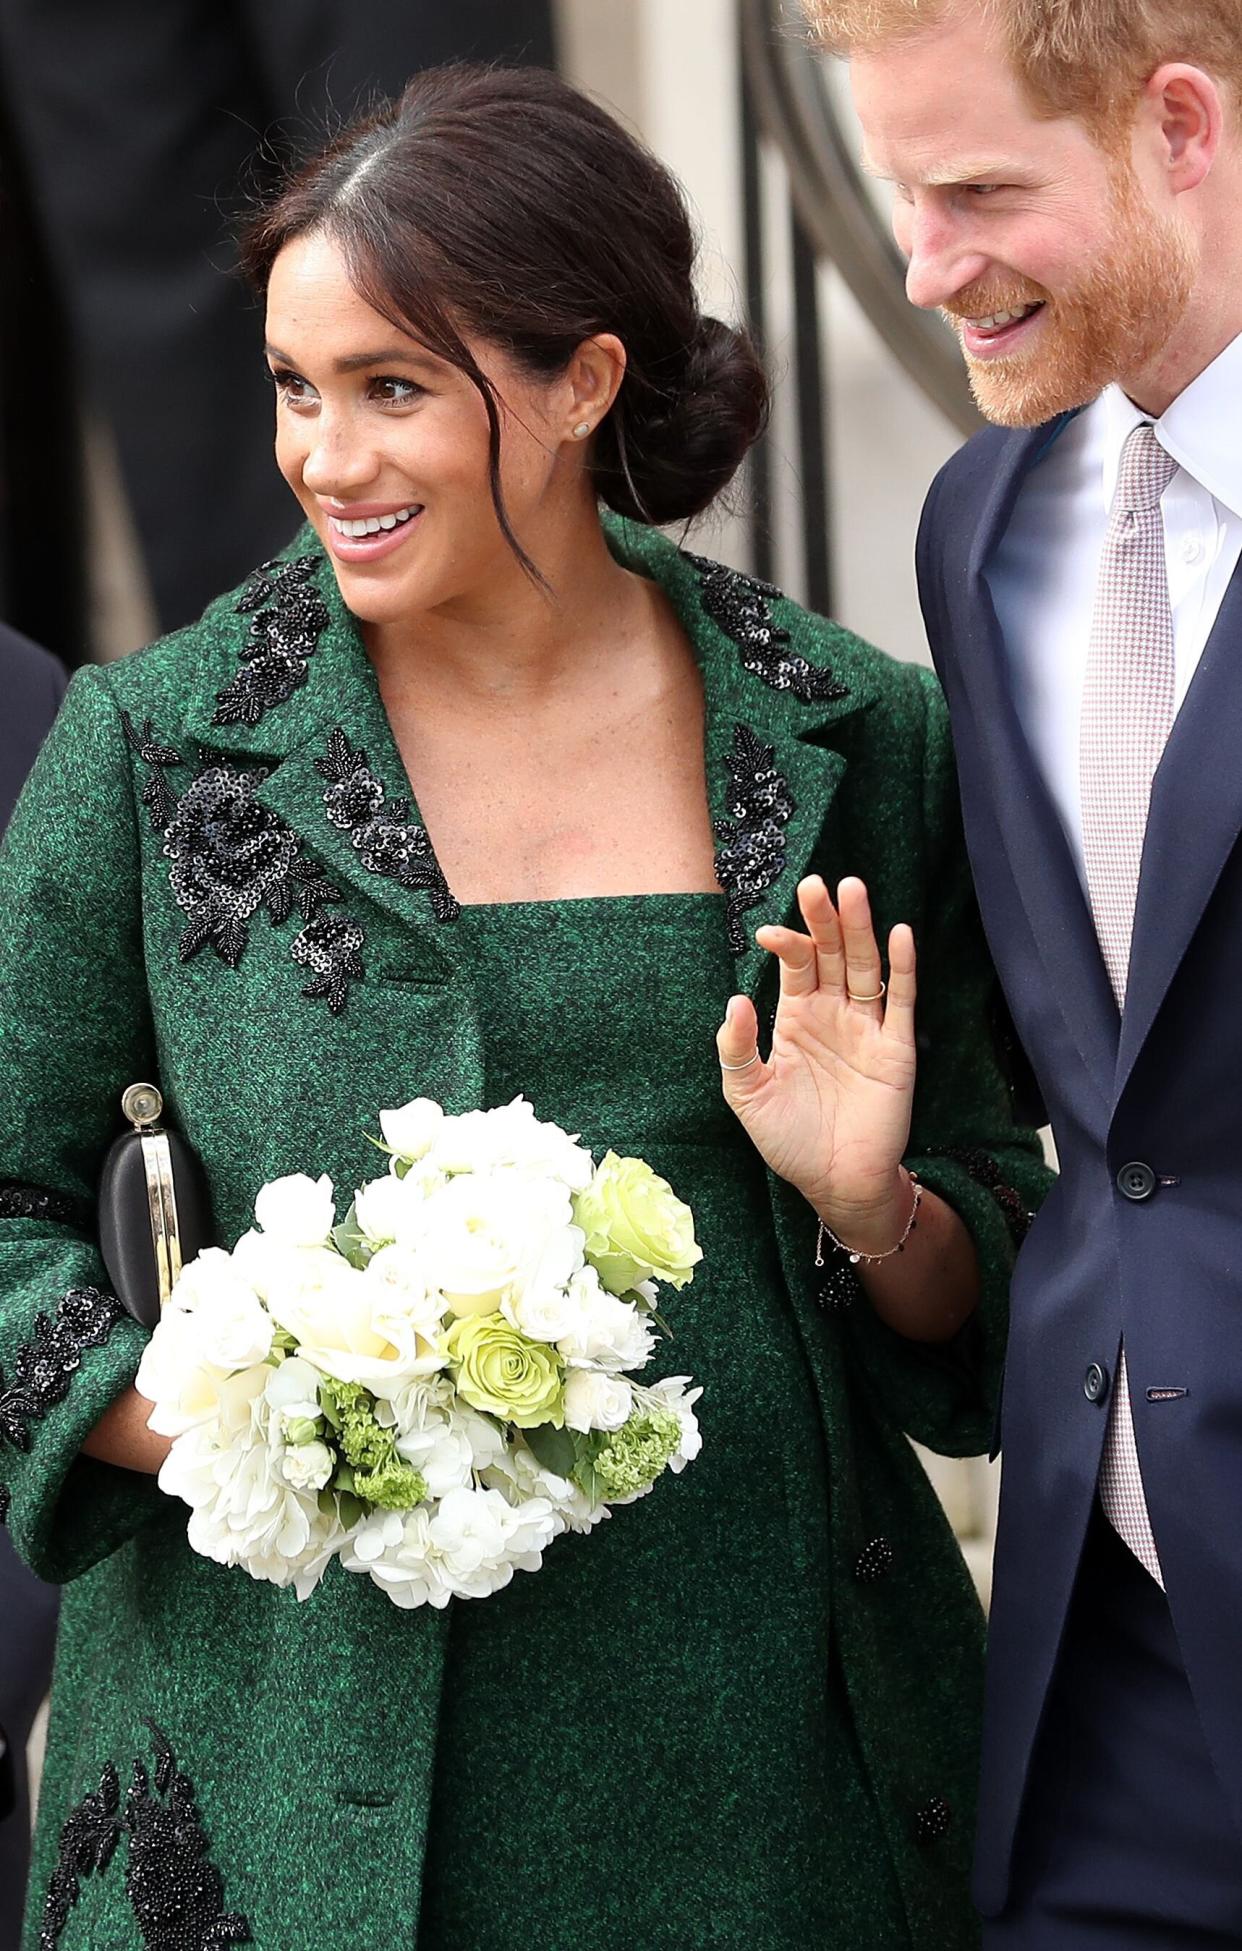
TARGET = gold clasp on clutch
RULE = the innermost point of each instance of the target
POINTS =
(142, 1105)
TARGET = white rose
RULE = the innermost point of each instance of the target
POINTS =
(297, 1210)
(412, 1131)
(594, 1400)
(346, 1325)
(390, 1209)
(607, 1332)
(173, 1376)
(490, 1237)
(308, 1466)
(233, 1327)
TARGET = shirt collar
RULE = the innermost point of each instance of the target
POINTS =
(1199, 430)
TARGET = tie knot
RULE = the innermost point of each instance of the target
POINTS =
(1146, 471)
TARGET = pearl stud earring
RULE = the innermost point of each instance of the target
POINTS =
(582, 429)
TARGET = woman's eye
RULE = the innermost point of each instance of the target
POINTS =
(391, 391)
(289, 386)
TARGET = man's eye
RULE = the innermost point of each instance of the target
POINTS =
(983, 189)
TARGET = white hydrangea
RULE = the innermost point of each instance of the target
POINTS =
(675, 1394)
(243, 1510)
(511, 1136)
(607, 1332)
(467, 1547)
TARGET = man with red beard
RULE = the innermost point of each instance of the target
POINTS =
(1068, 178)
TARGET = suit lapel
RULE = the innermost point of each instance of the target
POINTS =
(1192, 828)
(1039, 857)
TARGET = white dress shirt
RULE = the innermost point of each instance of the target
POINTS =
(1043, 575)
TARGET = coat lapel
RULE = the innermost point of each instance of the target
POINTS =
(1192, 828)
(777, 685)
(1039, 857)
(332, 772)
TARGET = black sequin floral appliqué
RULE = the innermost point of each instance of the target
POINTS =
(231, 856)
(385, 838)
(742, 607)
(19, 1201)
(48, 1362)
(287, 618)
(984, 1170)
(175, 1892)
(751, 853)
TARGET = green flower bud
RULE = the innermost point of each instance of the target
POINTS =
(504, 1374)
(636, 1227)
(633, 1456)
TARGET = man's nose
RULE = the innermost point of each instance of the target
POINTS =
(941, 261)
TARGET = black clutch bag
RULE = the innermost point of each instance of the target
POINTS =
(153, 1207)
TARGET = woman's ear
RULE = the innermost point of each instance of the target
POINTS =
(594, 374)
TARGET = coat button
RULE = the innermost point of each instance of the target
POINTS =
(1095, 1382)
(1136, 1180)
(875, 1561)
(933, 1820)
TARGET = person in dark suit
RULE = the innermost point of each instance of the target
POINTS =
(32, 684)
(141, 130)
(1068, 175)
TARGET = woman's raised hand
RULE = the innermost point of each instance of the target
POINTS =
(830, 1109)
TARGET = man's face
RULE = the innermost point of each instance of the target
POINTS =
(1058, 270)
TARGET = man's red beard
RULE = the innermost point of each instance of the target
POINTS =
(1110, 327)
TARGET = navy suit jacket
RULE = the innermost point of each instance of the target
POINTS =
(32, 684)
(1160, 1085)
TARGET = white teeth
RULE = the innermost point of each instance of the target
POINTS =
(1000, 319)
(373, 523)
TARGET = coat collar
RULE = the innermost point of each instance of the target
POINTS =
(291, 680)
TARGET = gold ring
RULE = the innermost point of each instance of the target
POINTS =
(745, 1066)
(879, 996)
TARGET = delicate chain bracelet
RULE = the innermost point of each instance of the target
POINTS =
(870, 1259)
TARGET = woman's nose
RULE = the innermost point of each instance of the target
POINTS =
(338, 464)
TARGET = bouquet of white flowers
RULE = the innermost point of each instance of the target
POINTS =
(439, 1385)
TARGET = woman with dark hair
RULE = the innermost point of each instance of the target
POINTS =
(531, 774)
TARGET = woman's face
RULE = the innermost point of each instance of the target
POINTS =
(373, 429)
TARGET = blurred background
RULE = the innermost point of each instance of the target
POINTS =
(135, 472)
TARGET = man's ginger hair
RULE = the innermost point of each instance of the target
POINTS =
(1087, 58)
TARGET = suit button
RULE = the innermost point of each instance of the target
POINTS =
(1136, 1180)
(1095, 1383)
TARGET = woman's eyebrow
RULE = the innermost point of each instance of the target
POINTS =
(354, 361)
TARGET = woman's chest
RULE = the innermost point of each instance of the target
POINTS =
(531, 809)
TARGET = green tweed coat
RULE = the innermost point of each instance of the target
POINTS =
(215, 879)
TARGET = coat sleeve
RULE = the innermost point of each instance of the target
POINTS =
(965, 1143)
(75, 1029)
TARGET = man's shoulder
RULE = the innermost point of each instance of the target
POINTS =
(975, 463)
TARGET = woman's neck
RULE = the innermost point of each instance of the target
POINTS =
(521, 641)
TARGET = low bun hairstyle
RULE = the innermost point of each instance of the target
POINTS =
(503, 204)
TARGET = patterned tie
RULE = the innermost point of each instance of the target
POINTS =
(1127, 714)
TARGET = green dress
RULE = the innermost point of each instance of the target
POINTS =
(683, 1651)
(746, 1709)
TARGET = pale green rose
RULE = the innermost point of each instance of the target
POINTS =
(502, 1373)
(636, 1227)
